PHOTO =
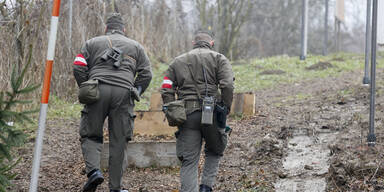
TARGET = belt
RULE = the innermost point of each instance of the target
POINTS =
(192, 104)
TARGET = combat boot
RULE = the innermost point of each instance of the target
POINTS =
(95, 178)
(205, 188)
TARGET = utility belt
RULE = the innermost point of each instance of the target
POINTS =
(192, 104)
(206, 106)
(218, 109)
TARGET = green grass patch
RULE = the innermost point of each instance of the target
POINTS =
(282, 101)
(58, 108)
(251, 76)
(345, 92)
(155, 85)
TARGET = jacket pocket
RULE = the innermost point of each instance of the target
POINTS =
(128, 117)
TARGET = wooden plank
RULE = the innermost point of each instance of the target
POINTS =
(152, 123)
(249, 104)
(237, 103)
(156, 102)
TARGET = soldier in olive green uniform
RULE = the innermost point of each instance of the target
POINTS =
(123, 71)
(180, 80)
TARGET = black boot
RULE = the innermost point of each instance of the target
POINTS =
(95, 178)
(205, 188)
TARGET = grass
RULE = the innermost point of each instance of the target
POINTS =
(248, 76)
(58, 108)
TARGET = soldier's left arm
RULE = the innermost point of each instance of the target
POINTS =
(80, 65)
(169, 86)
(225, 79)
(143, 69)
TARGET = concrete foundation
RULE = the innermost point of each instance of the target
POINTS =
(145, 154)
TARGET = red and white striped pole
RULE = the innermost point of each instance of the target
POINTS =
(45, 96)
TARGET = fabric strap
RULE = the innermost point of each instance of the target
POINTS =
(193, 77)
(110, 42)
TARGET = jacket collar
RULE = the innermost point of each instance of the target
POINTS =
(202, 44)
(113, 31)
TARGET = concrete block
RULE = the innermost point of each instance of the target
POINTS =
(152, 123)
(145, 154)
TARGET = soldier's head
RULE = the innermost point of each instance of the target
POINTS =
(115, 22)
(203, 36)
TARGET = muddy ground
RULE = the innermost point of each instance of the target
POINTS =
(259, 145)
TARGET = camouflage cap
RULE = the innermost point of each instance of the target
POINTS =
(115, 21)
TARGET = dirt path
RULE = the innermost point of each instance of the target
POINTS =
(313, 114)
(263, 151)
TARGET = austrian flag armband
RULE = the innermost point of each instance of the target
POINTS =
(167, 83)
(80, 60)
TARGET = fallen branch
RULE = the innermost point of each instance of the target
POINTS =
(377, 169)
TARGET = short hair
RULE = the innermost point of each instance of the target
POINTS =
(115, 22)
(202, 35)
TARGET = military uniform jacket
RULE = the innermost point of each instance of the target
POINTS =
(134, 70)
(178, 78)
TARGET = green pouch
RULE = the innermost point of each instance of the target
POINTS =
(175, 112)
(89, 91)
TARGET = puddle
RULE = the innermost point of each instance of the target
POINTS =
(306, 163)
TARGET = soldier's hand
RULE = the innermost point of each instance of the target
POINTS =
(136, 93)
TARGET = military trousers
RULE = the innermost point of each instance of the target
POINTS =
(189, 142)
(116, 104)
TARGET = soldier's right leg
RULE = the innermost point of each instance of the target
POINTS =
(119, 128)
(91, 130)
(188, 147)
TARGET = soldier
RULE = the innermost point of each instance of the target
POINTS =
(193, 77)
(123, 71)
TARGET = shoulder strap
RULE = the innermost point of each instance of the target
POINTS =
(109, 41)
(193, 77)
(204, 74)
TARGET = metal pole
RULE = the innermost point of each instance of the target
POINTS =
(304, 30)
(338, 36)
(367, 42)
(325, 45)
(45, 96)
(70, 25)
(371, 135)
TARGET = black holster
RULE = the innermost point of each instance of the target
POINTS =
(221, 115)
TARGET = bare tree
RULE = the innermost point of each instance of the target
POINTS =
(230, 16)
